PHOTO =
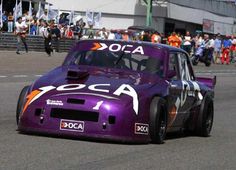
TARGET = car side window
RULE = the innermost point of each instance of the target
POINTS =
(173, 69)
(185, 73)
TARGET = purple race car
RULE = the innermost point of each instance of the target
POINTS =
(121, 91)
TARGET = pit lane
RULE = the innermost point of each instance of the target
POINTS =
(18, 151)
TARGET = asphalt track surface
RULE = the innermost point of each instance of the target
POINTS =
(23, 152)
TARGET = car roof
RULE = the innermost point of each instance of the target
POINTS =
(161, 46)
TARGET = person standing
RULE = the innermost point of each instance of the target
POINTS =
(4, 21)
(146, 36)
(155, 38)
(33, 27)
(69, 32)
(217, 49)
(225, 50)
(187, 42)
(211, 48)
(90, 31)
(56, 35)
(10, 22)
(47, 39)
(41, 27)
(20, 32)
(206, 43)
(198, 40)
(118, 35)
(174, 40)
(76, 30)
(163, 39)
(102, 34)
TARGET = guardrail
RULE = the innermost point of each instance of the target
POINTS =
(35, 43)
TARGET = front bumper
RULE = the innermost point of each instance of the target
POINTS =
(114, 123)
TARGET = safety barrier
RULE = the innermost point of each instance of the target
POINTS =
(35, 43)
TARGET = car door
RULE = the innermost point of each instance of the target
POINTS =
(175, 91)
(182, 94)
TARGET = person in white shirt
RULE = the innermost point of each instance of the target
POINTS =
(111, 36)
(20, 31)
(211, 48)
(41, 27)
(187, 42)
(102, 34)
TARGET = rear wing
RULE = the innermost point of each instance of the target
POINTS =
(210, 82)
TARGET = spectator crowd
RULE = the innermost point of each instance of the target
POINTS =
(221, 49)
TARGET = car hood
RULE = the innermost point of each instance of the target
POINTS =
(95, 84)
(102, 79)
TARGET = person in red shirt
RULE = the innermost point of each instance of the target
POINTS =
(69, 33)
(226, 50)
(174, 40)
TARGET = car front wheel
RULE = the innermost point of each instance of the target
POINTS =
(20, 103)
(158, 120)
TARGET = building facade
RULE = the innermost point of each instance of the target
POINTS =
(212, 16)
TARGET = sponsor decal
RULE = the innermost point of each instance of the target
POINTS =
(34, 95)
(72, 125)
(54, 102)
(118, 47)
(141, 128)
(124, 89)
(186, 91)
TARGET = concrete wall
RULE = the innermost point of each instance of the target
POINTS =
(125, 7)
(115, 13)
(124, 13)
(223, 25)
(214, 6)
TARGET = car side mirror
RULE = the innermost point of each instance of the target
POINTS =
(171, 74)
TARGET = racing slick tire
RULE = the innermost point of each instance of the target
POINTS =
(21, 102)
(205, 117)
(158, 120)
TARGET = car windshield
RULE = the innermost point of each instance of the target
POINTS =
(119, 60)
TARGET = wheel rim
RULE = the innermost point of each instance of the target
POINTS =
(162, 128)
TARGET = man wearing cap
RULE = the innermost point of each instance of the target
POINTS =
(20, 31)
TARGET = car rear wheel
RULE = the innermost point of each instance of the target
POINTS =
(158, 120)
(205, 117)
(20, 103)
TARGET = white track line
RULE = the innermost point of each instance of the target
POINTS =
(20, 76)
(38, 75)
